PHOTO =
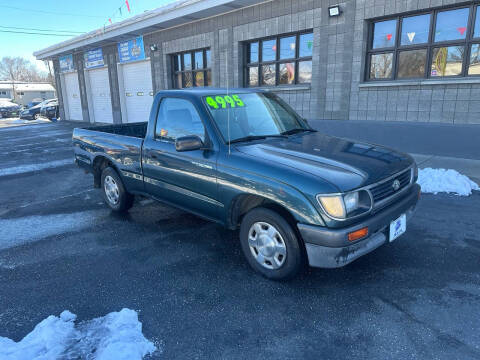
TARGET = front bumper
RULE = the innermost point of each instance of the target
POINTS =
(330, 248)
(26, 116)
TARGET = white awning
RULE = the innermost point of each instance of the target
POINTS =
(168, 16)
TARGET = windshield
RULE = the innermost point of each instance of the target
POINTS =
(252, 115)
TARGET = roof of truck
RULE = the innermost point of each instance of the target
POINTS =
(204, 91)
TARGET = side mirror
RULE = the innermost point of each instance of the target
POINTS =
(188, 143)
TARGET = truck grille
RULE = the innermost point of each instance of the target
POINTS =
(386, 188)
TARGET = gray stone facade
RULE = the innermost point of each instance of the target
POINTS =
(448, 101)
(337, 90)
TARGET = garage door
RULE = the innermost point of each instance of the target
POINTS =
(137, 84)
(100, 95)
(72, 92)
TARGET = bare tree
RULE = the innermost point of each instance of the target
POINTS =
(18, 69)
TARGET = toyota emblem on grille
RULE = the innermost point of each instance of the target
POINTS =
(396, 185)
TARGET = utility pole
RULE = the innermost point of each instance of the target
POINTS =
(12, 77)
(52, 82)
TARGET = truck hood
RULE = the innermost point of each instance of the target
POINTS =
(347, 164)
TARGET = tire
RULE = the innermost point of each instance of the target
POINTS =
(114, 193)
(36, 116)
(277, 253)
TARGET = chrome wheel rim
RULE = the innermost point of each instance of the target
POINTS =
(111, 189)
(267, 245)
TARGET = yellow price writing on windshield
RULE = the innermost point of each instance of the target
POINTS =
(224, 101)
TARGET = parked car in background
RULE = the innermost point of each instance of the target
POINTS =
(33, 113)
(50, 110)
(8, 109)
(33, 103)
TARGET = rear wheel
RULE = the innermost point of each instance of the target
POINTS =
(36, 116)
(271, 245)
(114, 193)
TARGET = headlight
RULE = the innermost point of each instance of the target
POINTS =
(333, 205)
(347, 205)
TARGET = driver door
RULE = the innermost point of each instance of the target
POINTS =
(185, 179)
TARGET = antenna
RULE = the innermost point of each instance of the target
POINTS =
(228, 109)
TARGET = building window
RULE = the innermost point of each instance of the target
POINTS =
(440, 43)
(281, 60)
(192, 69)
(20, 93)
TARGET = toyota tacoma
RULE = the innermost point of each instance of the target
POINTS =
(244, 159)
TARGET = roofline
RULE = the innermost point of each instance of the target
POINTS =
(171, 15)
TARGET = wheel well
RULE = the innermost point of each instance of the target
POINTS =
(244, 203)
(99, 164)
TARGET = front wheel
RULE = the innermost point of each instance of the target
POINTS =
(271, 245)
(36, 116)
(114, 193)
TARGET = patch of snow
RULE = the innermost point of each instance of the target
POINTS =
(7, 267)
(34, 167)
(18, 231)
(15, 122)
(117, 335)
(445, 180)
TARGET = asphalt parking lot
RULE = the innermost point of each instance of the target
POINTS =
(61, 248)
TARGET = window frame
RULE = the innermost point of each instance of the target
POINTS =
(277, 61)
(193, 70)
(172, 141)
(430, 45)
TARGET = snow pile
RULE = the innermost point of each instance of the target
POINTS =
(117, 336)
(47, 341)
(442, 180)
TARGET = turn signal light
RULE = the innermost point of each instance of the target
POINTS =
(358, 234)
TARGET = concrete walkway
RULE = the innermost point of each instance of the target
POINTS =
(468, 167)
(459, 141)
(432, 145)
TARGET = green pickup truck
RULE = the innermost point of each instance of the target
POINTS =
(245, 159)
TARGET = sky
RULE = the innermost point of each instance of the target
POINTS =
(61, 16)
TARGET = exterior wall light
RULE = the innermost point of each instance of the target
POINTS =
(153, 47)
(334, 11)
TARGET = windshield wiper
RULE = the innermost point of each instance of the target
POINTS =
(255, 137)
(297, 130)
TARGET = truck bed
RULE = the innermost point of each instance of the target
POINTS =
(120, 144)
(138, 130)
